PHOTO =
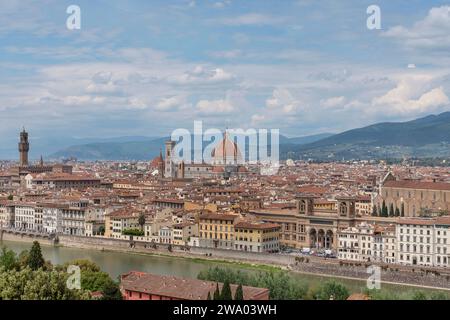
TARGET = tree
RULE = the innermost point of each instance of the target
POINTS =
(374, 211)
(111, 291)
(10, 197)
(402, 212)
(239, 295)
(333, 290)
(391, 210)
(209, 296)
(384, 210)
(141, 220)
(216, 295)
(8, 259)
(397, 212)
(35, 259)
(84, 264)
(226, 292)
(101, 230)
(280, 284)
(27, 284)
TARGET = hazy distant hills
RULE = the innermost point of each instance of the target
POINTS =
(422, 138)
(143, 149)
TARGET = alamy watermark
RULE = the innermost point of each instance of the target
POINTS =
(74, 280)
(374, 20)
(73, 22)
(232, 147)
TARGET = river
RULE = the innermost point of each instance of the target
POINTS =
(117, 263)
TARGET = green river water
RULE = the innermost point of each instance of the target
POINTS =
(116, 263)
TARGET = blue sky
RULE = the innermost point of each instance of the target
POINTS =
(148, 67)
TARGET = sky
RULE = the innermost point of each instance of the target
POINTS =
(148, 67)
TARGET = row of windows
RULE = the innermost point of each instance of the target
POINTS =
(220, 236)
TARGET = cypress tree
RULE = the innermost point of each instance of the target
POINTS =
(374, 210)
(391, 210)
(216, 295)
(384, 210)
(239, 295)
(35, 259)
(397, 212)
(226, 291)
(209, 296)
(402, 213)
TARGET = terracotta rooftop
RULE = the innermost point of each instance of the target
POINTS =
(417, 185)
(181, 288)
(218, 216)
(256, 225)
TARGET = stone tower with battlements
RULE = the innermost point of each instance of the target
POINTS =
(24, 147)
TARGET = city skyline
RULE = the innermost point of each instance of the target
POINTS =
(148, 68)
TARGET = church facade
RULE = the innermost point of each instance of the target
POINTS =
(226, 161)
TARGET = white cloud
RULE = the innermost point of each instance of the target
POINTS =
(251, 19)
(283, 101)
(170, 103)
(332, 102)
(200, 75)
(431, 32)
(412, 96)
(257, 119)
(214, 106)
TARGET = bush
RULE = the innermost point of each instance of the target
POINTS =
(333, 290)
(133, 232)
(279, 283)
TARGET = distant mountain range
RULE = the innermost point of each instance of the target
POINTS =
(421, 138)
(144, 149)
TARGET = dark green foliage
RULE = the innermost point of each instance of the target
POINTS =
(374, 210)
(141, 220)
(384, 209)
(93, 279)
(279, 283)
(101, 230)
(18, 279)
(402, 212)
(133, 232)
(8, 259)
(239, 295)
(333, 290)
(111, 291)
(216, 295)
(209, 296)
(226, 292)
(35, 259)
(397, 212)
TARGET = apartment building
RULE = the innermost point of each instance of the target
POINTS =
(423, 241)
(24, 216)
(73, 221)
(183, 232)
(355, 243)
(6, 214)
(257, 236)
(217, 230)
(119, 220)
(384, 244)
(51, 217)
(165, 235)
(442, 242)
